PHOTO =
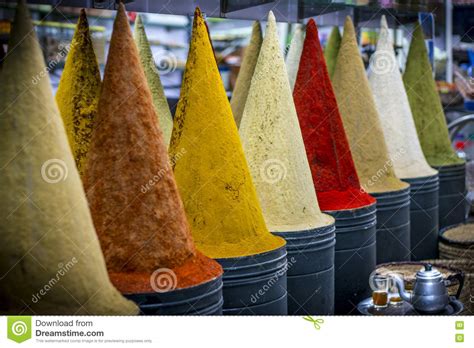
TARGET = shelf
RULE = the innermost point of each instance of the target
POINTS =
(284, 10)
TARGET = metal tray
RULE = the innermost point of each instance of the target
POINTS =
(366, 307)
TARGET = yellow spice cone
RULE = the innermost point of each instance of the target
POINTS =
(274, 147)
(360, 118)
(46, 228)
(212, 174)
(78, 92)
(242, 85)
(294, 54)
(153, 78)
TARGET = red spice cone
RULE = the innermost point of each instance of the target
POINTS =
(334, 174)
(132, 192)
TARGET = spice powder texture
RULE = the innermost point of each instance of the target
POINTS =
(333, 170)
(78, 92)
(213, 177)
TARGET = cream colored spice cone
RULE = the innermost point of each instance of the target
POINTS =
(394, 110)
(242, 85)
(51, 261)
(274, 147)
(361, 119)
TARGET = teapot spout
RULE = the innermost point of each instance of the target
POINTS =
(400, 284)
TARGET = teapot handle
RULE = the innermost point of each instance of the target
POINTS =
(460, 278)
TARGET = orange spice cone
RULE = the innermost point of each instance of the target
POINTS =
(212, 173)
(132, 193)
(78, 92)
(51, 262)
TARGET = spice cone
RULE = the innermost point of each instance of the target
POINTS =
(153, 78)
(426, 106)
(360, 118)
(274, 147)
(132, 193)
(394, 110)
(332, 49)
(78, 92)
(242, 85)
(294, 54)
(334, 174)
(212, 174)
(51, 262)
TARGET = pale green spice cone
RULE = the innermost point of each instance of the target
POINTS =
(153, 78)
(426, 105)
(332, 49)
(51, 261)
(242, 85)
(294, 54)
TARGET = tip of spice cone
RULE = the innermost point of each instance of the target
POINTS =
(327, 148)
(197, 12)
(271, 17)
(383, 22)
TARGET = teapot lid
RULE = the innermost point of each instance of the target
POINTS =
(428, 273)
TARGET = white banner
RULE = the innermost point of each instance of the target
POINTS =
(238, 332)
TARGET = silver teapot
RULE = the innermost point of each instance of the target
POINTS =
(429, 294)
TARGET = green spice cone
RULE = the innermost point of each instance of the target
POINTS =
(426, 106)
(153, 78)
(242, 85)
(294, 55)
(332, 49)
(78, 92)
(51, 262)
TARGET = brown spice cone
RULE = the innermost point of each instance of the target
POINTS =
(131, 189)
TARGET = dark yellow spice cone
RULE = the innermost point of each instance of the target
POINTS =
(212, 174)
(78, 92)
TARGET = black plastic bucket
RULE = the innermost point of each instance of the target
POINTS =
(355, 256)
(424, 217)
(393, 225)
(203, 299)
(310, 270)
(453, 207)
(255, 284)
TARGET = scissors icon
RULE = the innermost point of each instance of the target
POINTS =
(316, 322)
